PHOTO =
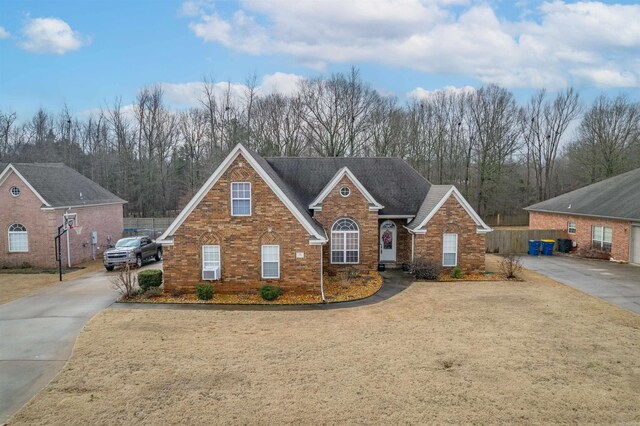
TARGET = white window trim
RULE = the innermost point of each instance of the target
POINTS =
(262, 261)
(11, 190)
(602, 241)
(241, 199)
(9, 233)
(574, 227)
(348, 191)
(455, 263)
(219, 266)
(344, 242)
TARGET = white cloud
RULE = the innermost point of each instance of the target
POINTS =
(51, 35)
(552, 46)
(4, 33)
(423, 94)
(190, 93)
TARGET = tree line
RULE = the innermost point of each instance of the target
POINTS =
(502, 155)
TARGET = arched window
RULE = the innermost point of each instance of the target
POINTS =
(18, 238)
(345, 242)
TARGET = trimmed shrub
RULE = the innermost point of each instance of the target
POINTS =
(204, 291)
(426, 269)
(269, 292)
(149, 278)
(457, 273)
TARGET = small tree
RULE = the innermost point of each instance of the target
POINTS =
(511, 266)
(125, 282)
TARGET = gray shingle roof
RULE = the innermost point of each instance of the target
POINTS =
(61, 186)
(302, 208)
(617, 197)
(391, 181)
(436, 193)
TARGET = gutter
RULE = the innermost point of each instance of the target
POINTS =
(623, 219)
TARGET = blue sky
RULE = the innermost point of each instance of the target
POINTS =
(85, 53)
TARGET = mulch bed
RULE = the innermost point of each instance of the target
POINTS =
(486, 276)
(335, 290)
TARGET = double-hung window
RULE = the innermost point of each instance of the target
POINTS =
(18, 238)
(450, 250)
(241, 199)
(211, 269)
(571, 228)
(345, 242)
(601, 238)
(271, 261)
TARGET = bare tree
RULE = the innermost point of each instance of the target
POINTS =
(543, 124)
(608, 138)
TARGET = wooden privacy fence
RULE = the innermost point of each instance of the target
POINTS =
(516, 241)
(151, 226)
(521, 219)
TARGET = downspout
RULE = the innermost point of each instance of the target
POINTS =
(413, 243)
(322, 275)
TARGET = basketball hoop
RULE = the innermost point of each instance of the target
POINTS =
(78, 229)
(70, 221)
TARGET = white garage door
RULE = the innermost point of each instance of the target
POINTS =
(635, 244)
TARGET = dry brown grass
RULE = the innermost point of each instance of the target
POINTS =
(476, 352)
(15, 286)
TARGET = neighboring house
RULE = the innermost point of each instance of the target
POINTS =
(34, 197)
(285, 221)
(602, 218)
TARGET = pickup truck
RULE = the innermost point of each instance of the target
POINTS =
(132, 251)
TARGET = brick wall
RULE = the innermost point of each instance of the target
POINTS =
(240, 239)
(42, 228)
(452, 218)
(105, 220)
(355, 207)
(25, 210)
(584, 224)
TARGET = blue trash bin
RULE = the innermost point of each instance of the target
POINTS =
(547, 247)
(534, 248)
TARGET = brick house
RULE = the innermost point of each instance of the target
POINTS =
(286, 221)
(603, 219)
(34, 197)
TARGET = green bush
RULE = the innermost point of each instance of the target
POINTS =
(457, 273)
(269, 292)
(204, 291)
(149, 278)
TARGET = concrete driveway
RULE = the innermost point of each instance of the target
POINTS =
(37, 334)
(617, 284)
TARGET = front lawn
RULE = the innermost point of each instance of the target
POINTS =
(440, 352)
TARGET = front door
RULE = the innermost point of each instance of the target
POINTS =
(635, 245)
(388, 236)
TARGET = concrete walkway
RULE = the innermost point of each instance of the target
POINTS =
(37, 334)
(395, 281)
(617, 284)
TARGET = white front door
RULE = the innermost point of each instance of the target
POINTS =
(388, 234)
(635, 244)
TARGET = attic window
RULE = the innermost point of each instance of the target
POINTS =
(345, 191)
(15, 191)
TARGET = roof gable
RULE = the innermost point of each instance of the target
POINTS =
(271, 179)
(59, 186)
(391, 182)
(11, 169)
(317, 202)
(616, 198)
(437, 196)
